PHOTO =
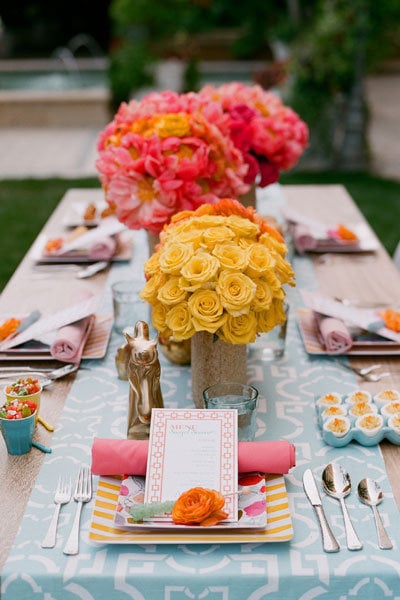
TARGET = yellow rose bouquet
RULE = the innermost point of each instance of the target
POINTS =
(221, 269)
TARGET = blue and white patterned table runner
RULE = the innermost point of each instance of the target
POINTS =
(299, 569)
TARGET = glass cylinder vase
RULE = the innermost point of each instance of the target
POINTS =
(212, 361)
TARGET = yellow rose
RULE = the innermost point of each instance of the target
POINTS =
(236, 291)
(239, 330)
(150, 290)
(242, 227)
(231, 256)
(158, 315)
(194, 237)
(179, 321)
(260, 260)
(275, 315)
(171, 292)
(207, 310)
(270, 242)
(152, 266)
(284, 271)
(192, 287)
(173, 256)
(217, 235)
(263, 296)
(273, 281)
(200, 268)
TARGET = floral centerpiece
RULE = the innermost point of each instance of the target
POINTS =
(219, 271)
(164, 154)
(270, 135)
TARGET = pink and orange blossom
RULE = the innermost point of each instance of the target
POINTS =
(163, 155)
(271, 136)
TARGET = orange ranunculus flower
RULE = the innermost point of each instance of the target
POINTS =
(346, 234)
(8, 327)
(199, 506)
(53, 245)
(392, 319)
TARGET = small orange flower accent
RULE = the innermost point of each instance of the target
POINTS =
(54, 245)
(199, 506)
(346, 234)
(392, 319)
(8, 327)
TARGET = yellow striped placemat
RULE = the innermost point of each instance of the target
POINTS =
(102, 529)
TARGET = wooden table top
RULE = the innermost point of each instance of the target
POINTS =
(366, 278)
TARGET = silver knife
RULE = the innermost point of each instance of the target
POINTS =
(329, 542)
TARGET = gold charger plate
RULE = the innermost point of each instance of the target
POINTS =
(103, 530)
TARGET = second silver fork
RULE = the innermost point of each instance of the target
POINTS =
(62, 496)
(83, 493)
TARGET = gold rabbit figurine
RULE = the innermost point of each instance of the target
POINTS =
(144, 381)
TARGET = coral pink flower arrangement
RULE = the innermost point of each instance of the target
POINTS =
(270, 135)
(164, 154)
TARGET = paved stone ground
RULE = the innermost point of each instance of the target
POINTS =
(383, 92)
(70, 152)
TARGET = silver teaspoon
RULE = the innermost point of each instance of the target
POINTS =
(370, 493)
(336, 482)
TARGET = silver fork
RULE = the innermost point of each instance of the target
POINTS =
(62, 496)
(83, 493)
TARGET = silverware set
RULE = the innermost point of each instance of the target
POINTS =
(63, 495)
(337, 484)
(365, 372)
(45, 271)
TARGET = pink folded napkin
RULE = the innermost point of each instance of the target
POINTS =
(303, 239)
(71, 339)
(103, 249)
(129, 457)
(333, 334)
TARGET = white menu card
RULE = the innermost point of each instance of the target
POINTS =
(193, 448)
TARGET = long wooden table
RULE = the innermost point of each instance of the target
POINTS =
(370, 277)
(364, 279)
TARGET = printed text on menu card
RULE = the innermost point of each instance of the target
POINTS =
(193, 448)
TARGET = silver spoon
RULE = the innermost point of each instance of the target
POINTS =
(360, 371)
(336, 482)
(375, 376)
(370, 493)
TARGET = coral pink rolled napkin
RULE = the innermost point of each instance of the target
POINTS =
(71, 339)
(129, 457)
(333, 334)
(303, 239)
(103, 249)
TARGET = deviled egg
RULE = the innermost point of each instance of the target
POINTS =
(363, 408)
(358, 396)
(370, 425)
(338, 426)
(329, 399)
(391, 408)
(337, 410)
(394, 423)
(388, 395)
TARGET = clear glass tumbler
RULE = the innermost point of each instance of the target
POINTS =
(232, 394)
